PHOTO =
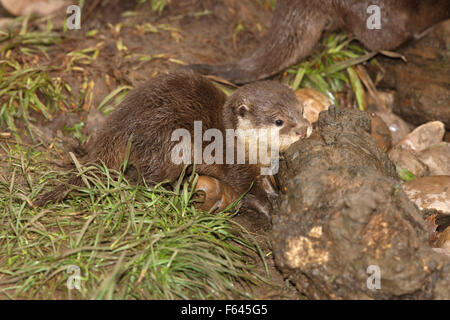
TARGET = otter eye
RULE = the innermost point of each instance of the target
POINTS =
(279, 123)
(242, 110)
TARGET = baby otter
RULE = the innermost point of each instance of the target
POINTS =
(298, 24)
(151, 113)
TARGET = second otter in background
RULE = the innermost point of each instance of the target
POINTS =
(298, 24)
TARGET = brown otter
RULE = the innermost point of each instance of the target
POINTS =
(151, 113)
(298, 24)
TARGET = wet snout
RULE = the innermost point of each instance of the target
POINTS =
(294, 132)
(303, 129)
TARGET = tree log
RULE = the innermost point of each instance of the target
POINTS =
(342, 211)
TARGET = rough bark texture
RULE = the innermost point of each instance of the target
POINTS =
(343, 209)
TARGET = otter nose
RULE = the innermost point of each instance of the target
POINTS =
(304, 131)
(301, 133)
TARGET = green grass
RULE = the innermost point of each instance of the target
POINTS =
(27, 40)
(26, 83)
(24, 88)
(405, 175)
(331, 68)
(130, 242)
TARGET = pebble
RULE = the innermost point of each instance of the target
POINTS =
(431, 192)
(39, 7)
(437, 158)
(424, 136)
(313, 102)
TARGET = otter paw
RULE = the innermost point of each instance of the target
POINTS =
(213, 194)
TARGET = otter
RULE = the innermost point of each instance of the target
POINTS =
(149, 115)
(298, 24)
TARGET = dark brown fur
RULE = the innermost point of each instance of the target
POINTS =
(150, 113)
(298, 24)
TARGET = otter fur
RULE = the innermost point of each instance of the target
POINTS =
(150, 114)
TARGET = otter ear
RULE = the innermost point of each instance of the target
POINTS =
(242, 110)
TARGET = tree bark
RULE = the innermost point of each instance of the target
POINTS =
(343, 216)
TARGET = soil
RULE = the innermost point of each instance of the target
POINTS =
(196, 31)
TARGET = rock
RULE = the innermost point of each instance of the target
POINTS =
(430, 193)
(39, 7)
(423, 137)
(421, 84)
(443, 241)
(381, 103)
(422, 151)
(437, 159)
(447, 136)
(314, 102)
(342, 212)
(442, 251)
(380, 132)
(383, 100)
(407, 160)
(398, 128)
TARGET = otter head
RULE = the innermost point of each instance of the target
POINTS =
(267, 105)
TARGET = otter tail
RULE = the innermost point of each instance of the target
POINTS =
(230, 72)
(296, 27)
(59, 192)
